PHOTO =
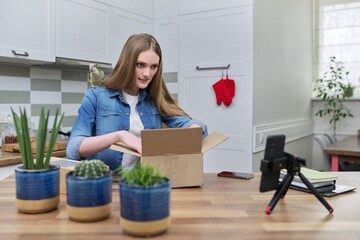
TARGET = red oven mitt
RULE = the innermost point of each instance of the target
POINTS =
(222, 93)
(230, 85)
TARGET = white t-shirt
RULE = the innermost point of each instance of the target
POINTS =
(129, 161)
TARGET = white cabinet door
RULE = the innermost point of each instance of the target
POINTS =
(191, 6)
(215, 39)
(27, 30)
(124, 24)
(166, 32)
(143, 8)
(83, 30)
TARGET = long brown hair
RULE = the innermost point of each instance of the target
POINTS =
(123, 75)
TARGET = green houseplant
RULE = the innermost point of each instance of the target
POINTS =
(89, 191)
(144, 201)
(37, 181)
(333, 88)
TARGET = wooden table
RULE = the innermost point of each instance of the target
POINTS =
(222, 209)
(348, 147)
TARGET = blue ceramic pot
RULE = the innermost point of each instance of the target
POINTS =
(37, 191)
(145, 211)
(89, 198)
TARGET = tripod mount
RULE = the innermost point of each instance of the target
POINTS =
(293, 165)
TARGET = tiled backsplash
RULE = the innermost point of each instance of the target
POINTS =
(34, 87)
(53, 88)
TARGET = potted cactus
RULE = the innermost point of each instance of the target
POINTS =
(144, 201)
(37, 181)
(89, 191)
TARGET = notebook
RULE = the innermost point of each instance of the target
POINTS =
(313, 176)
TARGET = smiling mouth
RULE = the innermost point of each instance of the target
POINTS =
(143, 80)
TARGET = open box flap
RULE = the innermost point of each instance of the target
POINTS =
(120, 147)
(209, 142)
(212, 140)
(171, 141)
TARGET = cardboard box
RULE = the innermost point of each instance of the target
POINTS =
(175, 152)
(66, 166)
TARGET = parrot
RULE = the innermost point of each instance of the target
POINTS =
(96, 75)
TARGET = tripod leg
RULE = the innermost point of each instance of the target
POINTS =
(315, 192)
(280, 192)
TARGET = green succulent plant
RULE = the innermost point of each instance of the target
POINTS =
(144, 176)
(22, 130)
(90, 168)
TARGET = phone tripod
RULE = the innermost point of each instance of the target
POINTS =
(293, 168)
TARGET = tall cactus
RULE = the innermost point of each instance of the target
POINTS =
(90, 168)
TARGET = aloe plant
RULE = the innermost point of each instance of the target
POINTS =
(90, 168)
(144, 176)
(22, 130)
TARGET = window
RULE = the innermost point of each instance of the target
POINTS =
(337, 33)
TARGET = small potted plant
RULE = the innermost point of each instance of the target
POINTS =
(89, 191)
(37, 181)
(333, 88)
(144, 201)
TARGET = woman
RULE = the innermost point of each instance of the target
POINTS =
(133, 98)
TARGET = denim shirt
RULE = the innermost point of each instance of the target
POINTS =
(104, 111)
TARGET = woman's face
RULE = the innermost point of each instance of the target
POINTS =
(146, 67)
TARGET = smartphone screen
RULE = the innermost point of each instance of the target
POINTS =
(236, 175)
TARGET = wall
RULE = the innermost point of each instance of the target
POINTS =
(283, 56)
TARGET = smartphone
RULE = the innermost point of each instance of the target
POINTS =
(274, 151)
(239, 175)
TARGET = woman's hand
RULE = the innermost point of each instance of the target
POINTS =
(194, 125)
(95, 144)
(130, 140)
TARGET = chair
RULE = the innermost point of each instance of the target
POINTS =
(331, 138)
(323, 142)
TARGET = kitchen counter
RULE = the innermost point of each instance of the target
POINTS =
(12, 158)
(9, 158)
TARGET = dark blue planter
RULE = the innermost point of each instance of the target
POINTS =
(145, 211)
(145, 204)
(89, 199)
(37, 190)
(88, 192)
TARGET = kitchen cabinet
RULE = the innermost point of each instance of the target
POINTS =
(215, 38)
(27, 30)
(191, 6)
(143, 8)
(125, 24)
(166, 32)
(86, 30)
(83, 30)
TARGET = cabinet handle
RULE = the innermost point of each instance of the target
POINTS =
(25, 54)
(213, 68)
